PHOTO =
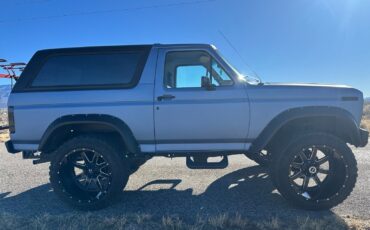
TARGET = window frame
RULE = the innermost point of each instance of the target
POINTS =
(194, 88)
(41, 57)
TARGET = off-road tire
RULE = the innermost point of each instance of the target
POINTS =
(119, 172)
(334, 190)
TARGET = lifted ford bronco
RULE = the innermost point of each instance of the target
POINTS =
(99, 113)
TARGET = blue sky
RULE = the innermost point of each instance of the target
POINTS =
(324, 41)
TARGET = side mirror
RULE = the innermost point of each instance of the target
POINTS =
(206, 83)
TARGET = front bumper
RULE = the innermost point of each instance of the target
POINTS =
(10, 147)
(364, 137)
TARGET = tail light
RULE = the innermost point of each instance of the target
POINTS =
(11, 119)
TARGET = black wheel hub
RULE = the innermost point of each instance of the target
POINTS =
(310, 170)
(91, 171)
(85, 175)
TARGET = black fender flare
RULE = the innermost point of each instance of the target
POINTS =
(115, 123)
(347, 120)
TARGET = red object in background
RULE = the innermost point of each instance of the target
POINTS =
(4, 75)
(11, 69)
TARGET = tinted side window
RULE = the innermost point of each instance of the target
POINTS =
(88, 70)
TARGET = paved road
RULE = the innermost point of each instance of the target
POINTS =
(166, 187)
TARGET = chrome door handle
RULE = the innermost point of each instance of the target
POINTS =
(165, 97)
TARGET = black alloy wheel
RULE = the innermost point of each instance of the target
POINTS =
(87, 172)
(316, 171)
(90, 173)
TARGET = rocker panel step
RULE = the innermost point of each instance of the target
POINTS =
(203, 164)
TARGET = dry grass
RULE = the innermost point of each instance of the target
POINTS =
(365, 123)
(4, 137)
(3, 117)
(366, 112)
(4, 134)
(144, 221)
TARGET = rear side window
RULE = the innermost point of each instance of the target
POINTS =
(79, 70)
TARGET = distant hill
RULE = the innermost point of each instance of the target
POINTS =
(4, 95)
(367, 99)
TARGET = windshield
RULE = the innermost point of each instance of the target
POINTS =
(250, 80)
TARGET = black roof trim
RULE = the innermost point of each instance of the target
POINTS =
(95, 48)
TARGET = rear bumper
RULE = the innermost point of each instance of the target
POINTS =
(364, 137)
(10, 147)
